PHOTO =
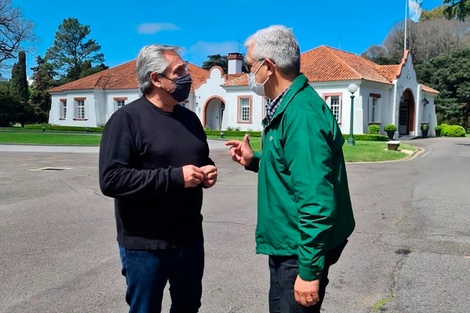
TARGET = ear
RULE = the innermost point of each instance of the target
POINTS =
(270, 66)
(155, 79)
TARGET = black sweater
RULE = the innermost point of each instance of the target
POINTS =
(142, 152)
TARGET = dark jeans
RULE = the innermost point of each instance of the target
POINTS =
(147, 273)
(283, 273)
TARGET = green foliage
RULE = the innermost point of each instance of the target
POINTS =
(457, 9)
(425, 127)
(374, 129)
(19, 83)
(71, 53)
(216, 60)
(452, 130)
(438, 127)
(390, 127)
(51, 127)
(450, 74)
(367, 137)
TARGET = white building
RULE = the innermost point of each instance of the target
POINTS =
(386, 94)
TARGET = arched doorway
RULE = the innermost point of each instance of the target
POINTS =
(214, 113)
(406, 113)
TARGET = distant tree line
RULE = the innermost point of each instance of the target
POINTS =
(440, 46)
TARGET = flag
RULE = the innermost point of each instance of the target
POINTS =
(415, 10)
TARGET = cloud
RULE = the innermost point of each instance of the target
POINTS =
(153, 28)
(210, 48)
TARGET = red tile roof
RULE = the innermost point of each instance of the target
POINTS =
(123, 77)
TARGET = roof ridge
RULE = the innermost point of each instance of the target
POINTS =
(342, 61)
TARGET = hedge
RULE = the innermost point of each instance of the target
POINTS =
(65, 128)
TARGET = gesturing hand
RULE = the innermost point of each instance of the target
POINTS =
(241, 151)
(193, 176)
(210, 175)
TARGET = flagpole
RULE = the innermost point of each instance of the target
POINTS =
(406, 25)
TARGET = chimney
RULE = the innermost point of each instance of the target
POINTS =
(235, 62)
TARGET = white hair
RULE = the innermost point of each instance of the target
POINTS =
(151, 58)
(278, 44)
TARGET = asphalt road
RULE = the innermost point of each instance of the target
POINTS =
(410, 251)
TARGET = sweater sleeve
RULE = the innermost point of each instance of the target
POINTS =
(118, 175)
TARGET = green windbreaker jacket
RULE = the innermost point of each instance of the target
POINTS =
(304, 206)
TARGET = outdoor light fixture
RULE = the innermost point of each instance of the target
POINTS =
(352, 88)
(424, 101)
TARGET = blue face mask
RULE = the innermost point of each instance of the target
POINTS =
(182, 88)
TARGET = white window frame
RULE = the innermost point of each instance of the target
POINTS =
(244, 112)
(335, 103)
(62, 109)
(375, 109)
(80, 109)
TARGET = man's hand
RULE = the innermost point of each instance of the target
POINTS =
(241, 151)
(210, 175)
(193, 176)
(306, 292)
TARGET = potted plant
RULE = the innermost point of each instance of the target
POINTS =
(425, 129)
(390, 129)
(438, 129)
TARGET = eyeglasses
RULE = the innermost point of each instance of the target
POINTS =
(249, 66)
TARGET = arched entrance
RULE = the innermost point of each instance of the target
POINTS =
(406, 115)
(214, 113)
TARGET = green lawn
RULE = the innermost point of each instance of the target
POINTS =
(363, 151)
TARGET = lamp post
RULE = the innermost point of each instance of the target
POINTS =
(352, 88)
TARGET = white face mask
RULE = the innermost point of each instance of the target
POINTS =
(254, 86)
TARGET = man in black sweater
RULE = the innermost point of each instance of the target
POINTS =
(154, 161)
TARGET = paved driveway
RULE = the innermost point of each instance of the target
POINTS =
(409, 253)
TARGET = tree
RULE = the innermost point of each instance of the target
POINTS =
(14, 30)
(457, 9)
(71, 51)
(216, 60)
(450, 74)
(19, 82)
(18, 93)
(431, 37)
(43, 80)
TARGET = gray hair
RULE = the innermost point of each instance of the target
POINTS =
(278, 44)
(151, 58)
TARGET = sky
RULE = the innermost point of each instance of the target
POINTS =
(207, 27)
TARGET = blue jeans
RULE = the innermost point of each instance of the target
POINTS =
(283, 273)
(148, 271)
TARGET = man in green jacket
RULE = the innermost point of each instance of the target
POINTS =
(304, 207)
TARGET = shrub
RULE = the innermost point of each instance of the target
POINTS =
(374, 129)
(390, 127)
(367, 137)
(452, 131)
(425, 127)
(233, 133)
(65, 128)
(438, 127)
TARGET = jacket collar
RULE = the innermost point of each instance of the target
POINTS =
(299, 83)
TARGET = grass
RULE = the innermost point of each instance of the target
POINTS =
(363, 151)
(18, 135)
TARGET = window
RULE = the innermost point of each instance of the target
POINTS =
(119, 102)
(80, 108)
(334, 103)
(374, 108)
(63, 109)
(244, 109)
